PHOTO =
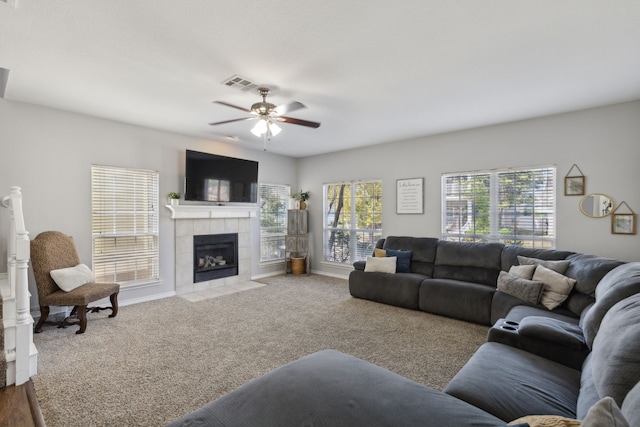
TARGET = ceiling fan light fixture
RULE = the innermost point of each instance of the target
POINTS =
(260, 128)
(274, 128)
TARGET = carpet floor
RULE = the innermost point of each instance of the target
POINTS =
(159, 360)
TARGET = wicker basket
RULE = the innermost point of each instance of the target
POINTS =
(298, 265)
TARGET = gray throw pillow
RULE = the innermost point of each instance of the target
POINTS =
(557, 266)
(524, 271)
(527, 290)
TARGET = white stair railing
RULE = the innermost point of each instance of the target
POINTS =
(20, 352)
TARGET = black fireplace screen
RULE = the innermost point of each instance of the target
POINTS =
(215, 256)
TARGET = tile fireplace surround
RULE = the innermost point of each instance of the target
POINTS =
(194, 220)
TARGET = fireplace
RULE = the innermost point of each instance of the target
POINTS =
(215, 256)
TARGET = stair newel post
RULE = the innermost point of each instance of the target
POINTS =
(19, 252)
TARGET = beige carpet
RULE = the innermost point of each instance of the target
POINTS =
(159, 360)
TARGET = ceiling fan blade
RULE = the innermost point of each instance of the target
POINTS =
(287, 108)
(232, 106)
(232, 120)
(297, 121)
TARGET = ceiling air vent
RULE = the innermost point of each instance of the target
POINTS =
(237, 82)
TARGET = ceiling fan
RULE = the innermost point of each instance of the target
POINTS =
(267, 114)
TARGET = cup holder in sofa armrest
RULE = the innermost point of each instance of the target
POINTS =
(508, 325)
(552, 330)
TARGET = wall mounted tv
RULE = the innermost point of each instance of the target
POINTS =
(220, 179)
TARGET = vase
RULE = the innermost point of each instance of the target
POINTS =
(303, 205)
(174, 202)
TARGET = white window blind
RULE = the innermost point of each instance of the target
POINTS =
(124, 224)
(352, 220)
(273, 221)
(514, 206)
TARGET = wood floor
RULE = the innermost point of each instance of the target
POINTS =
(19, 407)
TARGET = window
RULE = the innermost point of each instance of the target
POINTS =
(124, 225)
(352, 220)
(515, 206)
(273, 221)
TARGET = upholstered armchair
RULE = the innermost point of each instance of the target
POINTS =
(55, 251)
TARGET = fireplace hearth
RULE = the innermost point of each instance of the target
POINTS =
(215, 256)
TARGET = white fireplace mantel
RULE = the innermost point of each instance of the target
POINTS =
(205, 211)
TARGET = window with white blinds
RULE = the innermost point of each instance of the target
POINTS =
(514, 206)
(124, 224)
(352, 220)
(273, 221)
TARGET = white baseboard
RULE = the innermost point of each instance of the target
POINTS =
(153, 297)
(262, 276)
(324, 273)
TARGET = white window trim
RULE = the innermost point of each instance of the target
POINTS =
(100, 232)
(494, 233)
(287, 191)
(353, 230)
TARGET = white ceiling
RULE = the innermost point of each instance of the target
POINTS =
(370, 71)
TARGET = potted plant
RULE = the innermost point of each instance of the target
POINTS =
(173, 198)
(301, 197)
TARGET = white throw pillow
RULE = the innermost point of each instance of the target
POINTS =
(70, 278)
(381, 265)
(557, 287)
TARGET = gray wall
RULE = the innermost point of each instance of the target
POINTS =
(603, 142)
(49, 154)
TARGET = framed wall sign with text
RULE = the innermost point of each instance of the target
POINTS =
(409, 196)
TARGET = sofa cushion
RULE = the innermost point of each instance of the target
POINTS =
(399, 289)
(329, 388)
(510, 255)
(588, 394)
(556, 286)
(631, 406)
(507, 306)
(403, 260)
(526, 290)
(423, 251)
(615, 286)
(454, 298)
(577, 302)
(588, 270)
(616, 350)
(511, 383)
(468, 262)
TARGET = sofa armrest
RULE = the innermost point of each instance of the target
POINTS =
(359, 265)
(544, 342)
(552, 330)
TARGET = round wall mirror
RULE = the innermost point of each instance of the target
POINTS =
(596, 205)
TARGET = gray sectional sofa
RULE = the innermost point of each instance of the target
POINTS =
(580, 360)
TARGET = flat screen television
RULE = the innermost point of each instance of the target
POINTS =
(220, 179)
